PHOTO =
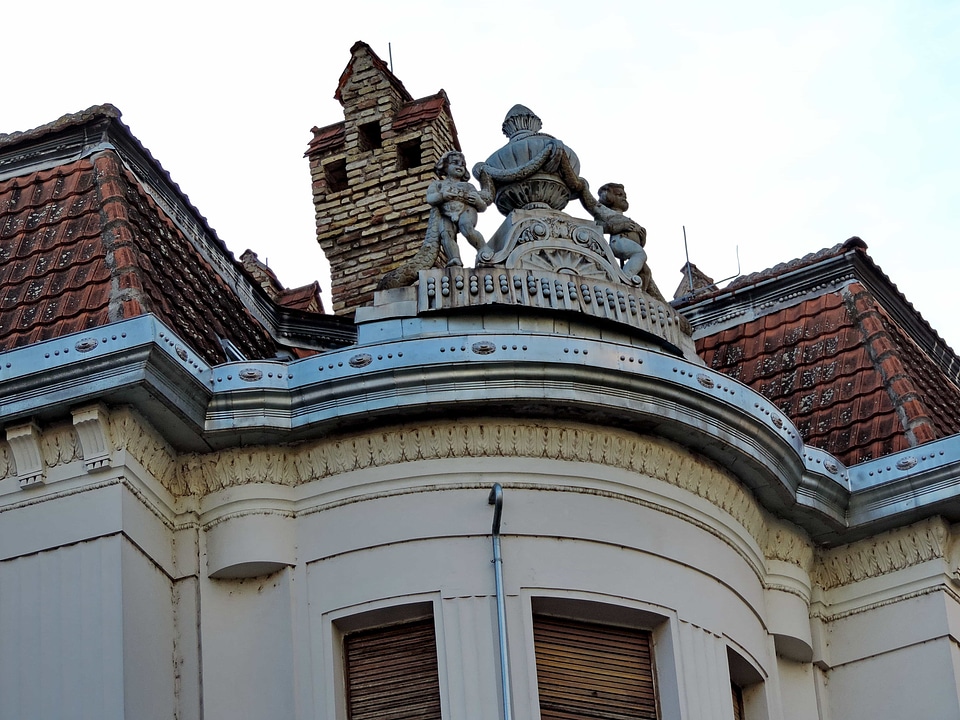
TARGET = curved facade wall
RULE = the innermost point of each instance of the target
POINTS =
(580, 539)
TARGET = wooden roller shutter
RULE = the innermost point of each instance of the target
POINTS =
(391, 673)
(737, 701)
(587, 671)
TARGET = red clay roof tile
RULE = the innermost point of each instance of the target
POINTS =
(327, 138)
(83, 244)
(838, 364)
(420, 111)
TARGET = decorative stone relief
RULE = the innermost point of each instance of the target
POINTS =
(787, 544)
(60, 445)
(27, 454)
(92, 425)
(132, 433)
(200, 474)
(7, 468)
(455, 205)
(882, 554)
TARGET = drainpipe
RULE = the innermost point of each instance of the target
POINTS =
(496, 499)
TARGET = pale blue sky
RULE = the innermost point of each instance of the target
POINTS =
(778, 128)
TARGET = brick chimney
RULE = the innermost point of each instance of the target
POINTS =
(370, 174)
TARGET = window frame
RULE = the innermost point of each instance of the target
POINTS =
(369, 617)
(662, 624)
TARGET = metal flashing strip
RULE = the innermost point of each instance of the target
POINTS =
(138, 360)
(141, 362)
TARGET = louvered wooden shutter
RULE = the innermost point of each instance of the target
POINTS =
(391, 673)
(737, 701)
(587, 671)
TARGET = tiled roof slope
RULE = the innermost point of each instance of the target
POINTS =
(83, 244)
(841, 357)
(54, 277)
(411, 114)
(306, 297)
(394, 81)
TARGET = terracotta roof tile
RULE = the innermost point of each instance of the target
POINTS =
(169, 276)
(52, 266)
(83, 245)
(808, 361)
(421, 111)
(327, 138)
(843, 370)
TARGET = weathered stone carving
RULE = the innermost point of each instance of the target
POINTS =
(789, 545)
(886, 553)
(455, 205)
(458, 203)
(25, 443)
(533, 170)
(627, 238)
(7, 468)
(92, 427)
(531, 180)
(660, 459)
(132, 433)
(60, 445)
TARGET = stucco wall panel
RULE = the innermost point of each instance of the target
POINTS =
(472, 657)
(798, 692)
(48, 518)
(917, 681)
(247, 638)
(886, 628)
(707, 686)
(62, 650)
(148, 638)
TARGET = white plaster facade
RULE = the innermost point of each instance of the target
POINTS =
(155, 582)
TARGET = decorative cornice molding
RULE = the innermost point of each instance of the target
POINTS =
(653, 457)
(822, 615)
(60, 445)
(7, 468)
(789, 545)
(883, 554)
(130, 432)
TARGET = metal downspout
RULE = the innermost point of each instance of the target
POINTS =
(496, 499)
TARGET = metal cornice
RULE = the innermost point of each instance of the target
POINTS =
(521, 375)
(197, 408)
(137, 361)
(726, 309)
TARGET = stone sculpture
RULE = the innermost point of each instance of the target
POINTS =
(627, 238)
(533, 170)
(459, 203)
(455, 205)
(531, 180)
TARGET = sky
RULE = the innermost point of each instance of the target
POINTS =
(768, 130)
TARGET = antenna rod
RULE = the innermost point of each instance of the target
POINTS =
(686, 251)
(390, 52)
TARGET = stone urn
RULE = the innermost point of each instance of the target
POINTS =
(527, 171)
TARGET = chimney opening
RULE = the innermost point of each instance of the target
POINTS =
(370, 138)
(335, 173)
(409, 154)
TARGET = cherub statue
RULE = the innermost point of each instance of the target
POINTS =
(458, 203)
(627, 238)
(454, 207)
